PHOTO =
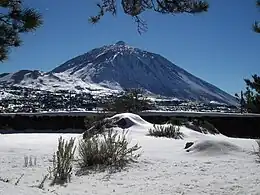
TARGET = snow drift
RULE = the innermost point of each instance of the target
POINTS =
(129, 120)
(205, 142)
(212, 147)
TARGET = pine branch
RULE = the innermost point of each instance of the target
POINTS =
(256, 27)
(135, 8)
(14, 21)
(141, 25)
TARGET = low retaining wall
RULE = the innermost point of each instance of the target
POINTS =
(235, 125)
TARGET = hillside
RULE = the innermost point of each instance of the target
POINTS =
(112, 68)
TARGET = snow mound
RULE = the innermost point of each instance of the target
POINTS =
(127, 120)
(192, 134)
(134, 122)
(213, 147)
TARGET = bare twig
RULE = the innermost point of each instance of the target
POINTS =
(53, 191)
(41, 185)
(141, 25)
(19, 179)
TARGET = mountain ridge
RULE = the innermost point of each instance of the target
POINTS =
(118, 66)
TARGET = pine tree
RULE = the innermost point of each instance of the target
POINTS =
(256, 25)
(241, 101)
(135, 8)
(131, 100)
(252, 94)
(15, 20)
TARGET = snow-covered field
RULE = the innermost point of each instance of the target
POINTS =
(215, 164)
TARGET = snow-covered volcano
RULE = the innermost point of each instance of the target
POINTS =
(120, 66)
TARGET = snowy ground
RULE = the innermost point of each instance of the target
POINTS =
(214, 165)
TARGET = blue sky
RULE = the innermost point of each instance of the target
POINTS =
(217, 46)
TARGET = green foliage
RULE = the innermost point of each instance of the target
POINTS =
(194, 125)
(110, 149)
(135, 8)
(130, 101)
(177, 121)
(241, 101)
(256, 25)
(14, 20)
(62, 161)
(201, 125)
(98, 127)
(209, 127)
(252, 94)
(169, 131)
(92, 120)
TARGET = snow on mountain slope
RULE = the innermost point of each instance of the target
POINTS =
(118, 66)
(129, 67)
(52, 82)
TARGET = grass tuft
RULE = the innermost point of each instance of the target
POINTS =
(169, 131)
(108, 150)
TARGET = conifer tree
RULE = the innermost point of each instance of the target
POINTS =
(251, 97)
(252, 94)
(256, 25)
(15, 20)
(131, 100)
(241, 101)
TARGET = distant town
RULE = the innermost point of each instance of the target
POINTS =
(15, 99)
